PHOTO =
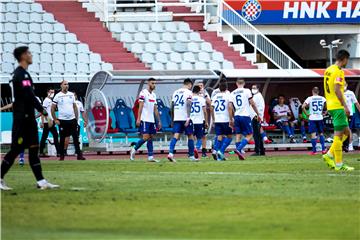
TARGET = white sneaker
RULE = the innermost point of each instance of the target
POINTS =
(351, 147)
(43, 184)
(152, 159)
(132, 154)
(3, 186)
(193, 159)
(171, 158)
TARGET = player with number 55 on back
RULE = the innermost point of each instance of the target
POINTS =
(239, 111)
(181, 108)
(316, 105)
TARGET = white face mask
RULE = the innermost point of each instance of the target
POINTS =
(51, 95)
(254, 91)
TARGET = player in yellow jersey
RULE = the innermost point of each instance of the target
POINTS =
(334, 81)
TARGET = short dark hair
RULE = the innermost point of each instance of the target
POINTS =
(19, 51)
(316, 90)
(151, 79)
(281, 95)
(188, 81)
(196, 89)
(256, 85)
(342, 54)
(223, 86)
(49, 88)
(240, 81)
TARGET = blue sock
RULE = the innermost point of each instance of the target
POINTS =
(191, 147)
(172, 145)
(292, 130)
(139, 144)
(313, 143)
(322, 141)
(22, 155)
(215, 142)
(287, 130)
(226, 142)
(303, 131)
(150, 147)
(218, 145)
(263, 134)
(241, 145)
(198, 144)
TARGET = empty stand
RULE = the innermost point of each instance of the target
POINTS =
(55, 50)
(90, 30)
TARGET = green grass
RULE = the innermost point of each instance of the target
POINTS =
(287, 197)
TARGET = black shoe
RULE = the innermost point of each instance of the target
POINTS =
(43, 155)
(80, 157)
(255, 155)
(62, 158)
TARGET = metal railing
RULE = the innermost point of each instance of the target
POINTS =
(258, 40)
(107, 9)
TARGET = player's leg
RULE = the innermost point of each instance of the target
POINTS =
(22, 158)
(320, 130)
(178, 128)
(150, 149)
(225, 143)
(75, 136)
(257, 136)
(264, 136)
(189, 131)
(63, 135)
(217, 140)
(55, 135)
(44, 136)
(242, 127)
(8, 161)
(203, 141)
(313, 131)
(144, 131)
(303, 131)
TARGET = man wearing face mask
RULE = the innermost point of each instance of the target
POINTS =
(256, 124)
(47, 124)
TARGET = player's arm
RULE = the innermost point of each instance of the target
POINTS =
(26, 84)
(340, 96)
(304, 106)
(253, 105)
(212, 114)
(53, 108)
(205, 116)
(84, 116)
(157, 115)
(76, 111)
(6, 107)
(188, 110)
(141, 106)
(231, 113)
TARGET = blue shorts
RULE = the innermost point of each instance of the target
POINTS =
(180, 128)
(351, 120)
(243, 125)
(222, 129)
(316, 126)
(147, 128)
(199, 130)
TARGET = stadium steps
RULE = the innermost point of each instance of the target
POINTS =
(196, 23)
(90, 30)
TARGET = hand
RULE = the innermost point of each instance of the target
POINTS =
(259, 119)
(85, 123)
(206, 125)
(231, 123)
(57, 122)
(138, 121)
(44, 112)
(41, 125)
(187, 122)
(347, 111)
(159, 125)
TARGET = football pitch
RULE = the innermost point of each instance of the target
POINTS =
(282, 197)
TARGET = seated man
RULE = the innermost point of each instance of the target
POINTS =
(282, 115)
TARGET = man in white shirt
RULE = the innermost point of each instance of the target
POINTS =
(198, 116)
(282, 115)
(47, 124)
(203, 93)
(66, 119)
(146, 120)
(256, 124)
(239, 111)
(295, 107)
(221, 118)
(181, 107)
(351, 100)
(316, 105)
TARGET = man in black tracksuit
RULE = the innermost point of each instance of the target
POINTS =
(24, 129)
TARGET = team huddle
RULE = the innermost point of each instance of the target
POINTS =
(234, 112)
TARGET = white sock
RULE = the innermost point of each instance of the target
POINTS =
(42, 182)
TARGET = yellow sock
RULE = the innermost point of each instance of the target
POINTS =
(337, 144)
(331, 150)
